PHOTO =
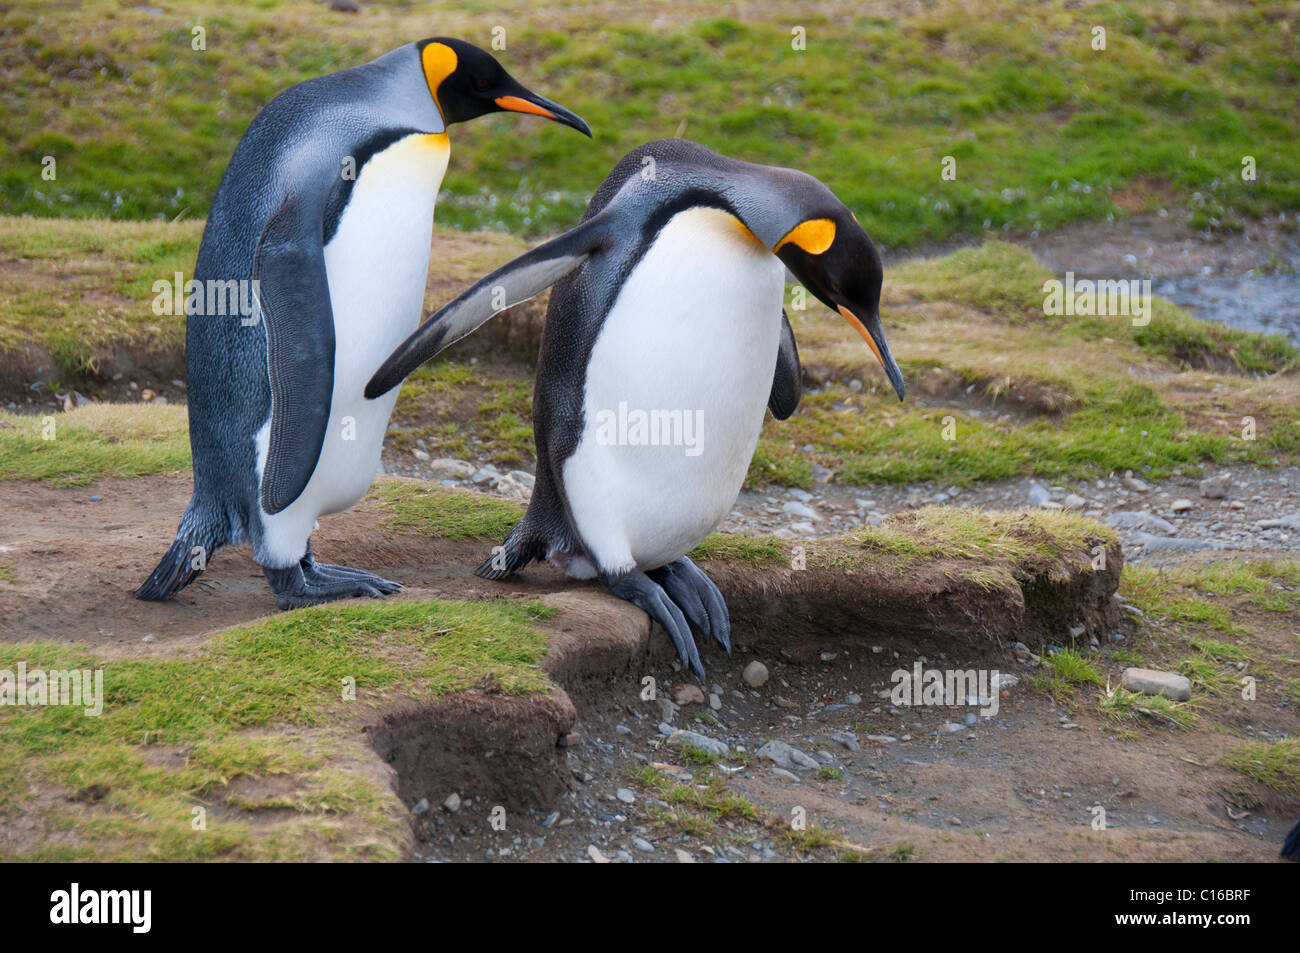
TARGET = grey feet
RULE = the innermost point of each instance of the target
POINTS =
(672, 595)
(310, 582)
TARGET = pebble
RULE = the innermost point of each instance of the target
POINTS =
(785, 775)
(1181, 506)
(682, 738)
(800, 510)
(755, 674)
(445, 468)
(643, 845)
(684, 693)
(952, 727)
(1038, 494)
(683, 857)
(846, 738)
(596, 856)
(1216, 487)
(882, 739)
(452, 803)
(785, 755)
(1147, 681)
(625, 795)
(1075, 502)
(715, 701)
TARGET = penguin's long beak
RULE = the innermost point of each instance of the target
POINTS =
(529, 102)
(873, 332)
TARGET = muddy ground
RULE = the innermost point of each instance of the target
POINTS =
(1022, 784)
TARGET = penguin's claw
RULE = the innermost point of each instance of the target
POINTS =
(644, 593)
(310, 583)
(688, 586)
(325, 572)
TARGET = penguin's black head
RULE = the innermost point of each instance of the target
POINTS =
(835, 259)
(467, 82)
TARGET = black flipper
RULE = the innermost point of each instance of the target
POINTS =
(644, 593)
(289, 268)
(528, 275)
(698, 598)
(787, 383)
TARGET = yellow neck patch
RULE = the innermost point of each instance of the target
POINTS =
(813, 236)
(439, 61)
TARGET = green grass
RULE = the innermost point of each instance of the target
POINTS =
(436, 510)
(261, 701)
(1275, 764)
(872, 105)
(730, 547)
(94, 441)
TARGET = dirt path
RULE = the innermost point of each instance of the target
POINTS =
(1023, 784)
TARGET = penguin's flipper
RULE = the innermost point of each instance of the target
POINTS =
(293, 292)
(528, 275)
(646, 594)
(698, 598)
(787, 384)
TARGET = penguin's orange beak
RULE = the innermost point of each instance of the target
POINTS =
(535, 105)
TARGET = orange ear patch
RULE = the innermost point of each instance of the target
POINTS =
(813, 236)
(439, 61)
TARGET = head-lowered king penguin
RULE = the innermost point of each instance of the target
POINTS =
(667, 301)
(326, 211)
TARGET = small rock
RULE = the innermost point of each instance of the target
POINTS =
(694, 739)
(452, 803)
(800, 510)
(1147, 681)
(420, 455)
(684, 693)
(852, 698)
(683, 857)
(485, 477)
(1075, 502)
(1004, 680)
(755, 674)
(596, 856)
(784, 774)
(785, 755)
(882, 739)
(421, 806)
(952, 727)
(643, 845)
(1038, 494)
(1216, 487)
(445, 468)
(1135, 484)
(625, 795)
(1181, 506)
(846, 738)
(715, 701)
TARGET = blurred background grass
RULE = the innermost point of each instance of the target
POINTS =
(1044, 129)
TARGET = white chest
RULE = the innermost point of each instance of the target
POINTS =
(676, 391)
(377, 265)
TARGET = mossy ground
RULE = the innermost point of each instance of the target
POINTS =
(257, 729)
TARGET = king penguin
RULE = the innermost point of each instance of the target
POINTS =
(667, 301)
(326, 211)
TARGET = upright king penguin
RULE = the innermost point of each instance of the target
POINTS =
(668, 298)
(326, 210)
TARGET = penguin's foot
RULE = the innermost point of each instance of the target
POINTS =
(646, 594)
(310, 582)
(698, 598)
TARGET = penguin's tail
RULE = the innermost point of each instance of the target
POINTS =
(201, 533)
(520, 548)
